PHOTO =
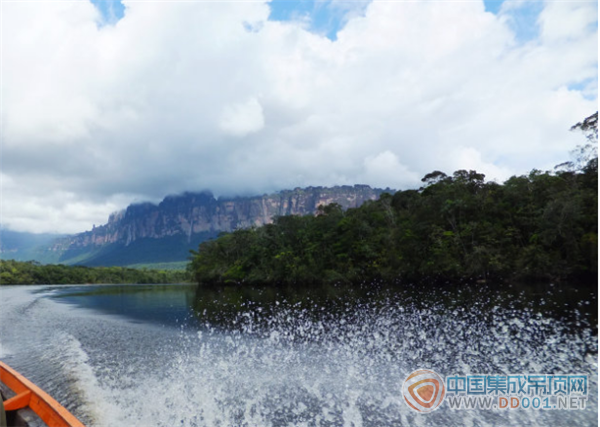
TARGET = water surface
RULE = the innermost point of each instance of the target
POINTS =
(178, 355)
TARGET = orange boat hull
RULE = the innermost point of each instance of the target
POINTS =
(31, 396)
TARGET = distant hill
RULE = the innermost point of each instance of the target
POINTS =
(22, 246)
(145, 234)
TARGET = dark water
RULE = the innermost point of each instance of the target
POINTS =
(179, 355)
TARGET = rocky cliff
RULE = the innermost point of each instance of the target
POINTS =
(149, 233)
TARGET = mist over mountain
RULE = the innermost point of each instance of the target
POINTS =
(24, 246)
(149, 233)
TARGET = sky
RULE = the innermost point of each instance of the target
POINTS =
(107, 103)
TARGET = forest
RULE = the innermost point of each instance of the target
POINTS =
(34, 273)
(540, 226)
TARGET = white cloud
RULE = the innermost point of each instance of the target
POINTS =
(243, 118)
(186, 96)
(385, 170)
(560, 21)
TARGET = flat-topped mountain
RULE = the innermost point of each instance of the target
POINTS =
(149, 233)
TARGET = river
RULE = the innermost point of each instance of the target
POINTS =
(177, 355)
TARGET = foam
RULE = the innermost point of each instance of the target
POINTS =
(294, 366)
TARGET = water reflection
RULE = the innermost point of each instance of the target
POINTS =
(163, 304)
(191, 305)
(574, 305)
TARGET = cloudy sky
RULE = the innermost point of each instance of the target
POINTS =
(106, 103)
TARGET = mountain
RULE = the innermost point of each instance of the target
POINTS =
(148, 234)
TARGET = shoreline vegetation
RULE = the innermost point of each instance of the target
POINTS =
(541, 227)
(33, 273)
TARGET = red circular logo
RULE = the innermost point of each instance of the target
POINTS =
(424, 390)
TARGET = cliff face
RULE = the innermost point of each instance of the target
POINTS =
(193, 217)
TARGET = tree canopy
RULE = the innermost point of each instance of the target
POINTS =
(31, 272)
(543, 225)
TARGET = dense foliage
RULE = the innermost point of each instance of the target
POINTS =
(31, 272)
(541, 226)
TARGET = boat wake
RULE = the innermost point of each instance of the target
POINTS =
(299, 365)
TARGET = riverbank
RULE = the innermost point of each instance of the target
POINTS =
(33, 273)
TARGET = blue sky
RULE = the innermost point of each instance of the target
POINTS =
(112, 10)
(324, 17)
(493, 5)
(327, 17)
